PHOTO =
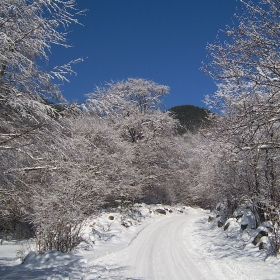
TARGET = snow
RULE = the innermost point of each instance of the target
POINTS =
(143, 244)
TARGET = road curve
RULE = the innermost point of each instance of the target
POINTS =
(164, 250)
(161, 252)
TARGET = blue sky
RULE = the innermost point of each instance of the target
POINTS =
(159, 40)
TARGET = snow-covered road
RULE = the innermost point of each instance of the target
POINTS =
(173, 246)
(163, 250)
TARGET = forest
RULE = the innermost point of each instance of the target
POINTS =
(121, 146)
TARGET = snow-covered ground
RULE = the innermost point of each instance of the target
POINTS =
(146, 245)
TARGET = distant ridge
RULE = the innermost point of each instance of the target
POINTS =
(191, 117)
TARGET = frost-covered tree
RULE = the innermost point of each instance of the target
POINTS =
(245, 68)
(32, 133)
(244, 62)
(133, 107)
(27, 31)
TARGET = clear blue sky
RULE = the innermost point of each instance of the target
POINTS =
(159, 40)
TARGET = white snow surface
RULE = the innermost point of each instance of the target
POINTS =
(179, 245)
